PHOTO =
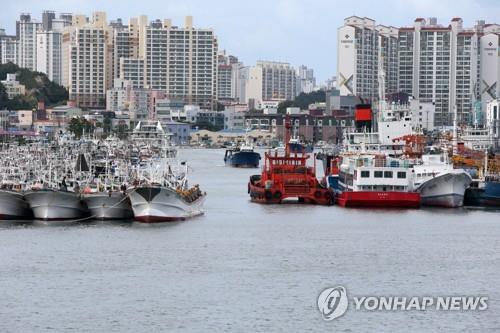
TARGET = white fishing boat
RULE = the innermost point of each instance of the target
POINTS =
(438, 183)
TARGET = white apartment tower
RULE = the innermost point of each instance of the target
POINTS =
(26, 30)
(225, 77)
(8, 48)
(455, 68)
(85, 60)
(440, 64)
(182, 61)
(306, 82)
(270, 81)
(489, 85)
(49, 51)
(388, 53)
(357, 60)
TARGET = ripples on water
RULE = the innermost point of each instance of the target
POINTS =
(244, 267)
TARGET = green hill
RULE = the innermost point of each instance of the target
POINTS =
(38, 88)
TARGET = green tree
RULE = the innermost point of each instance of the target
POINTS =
(38, 88)
(78, 125)
(122, 130)
(283, 105)
(107, 125)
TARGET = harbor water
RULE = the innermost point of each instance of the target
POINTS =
(245, 267)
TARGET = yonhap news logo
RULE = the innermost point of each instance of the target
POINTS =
(334, 302)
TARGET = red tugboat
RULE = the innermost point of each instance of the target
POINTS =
(287, 176)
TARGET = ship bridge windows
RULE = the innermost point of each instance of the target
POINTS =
(365, 174)
(387, 174)
(401, 174)
(378, 174)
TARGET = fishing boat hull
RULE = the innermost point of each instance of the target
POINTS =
(53, 205)
(162, 204)
(489, 196)
(378, 199)
(109, 206)
(242, 159)
(13, 206)
(445, 190)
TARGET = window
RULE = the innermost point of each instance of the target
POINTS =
(365, 174)
(401, 174)
(378, 174)
(387, 174)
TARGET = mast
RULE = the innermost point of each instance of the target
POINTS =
(455, 138)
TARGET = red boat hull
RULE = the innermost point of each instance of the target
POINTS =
(157, 219)
(379, 199)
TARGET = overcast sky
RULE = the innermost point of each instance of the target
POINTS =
(295, 31)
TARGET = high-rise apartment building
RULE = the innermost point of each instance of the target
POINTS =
(451, 66)
(8, 48)
(270, 81)
(47, 17)
(49, 51)
(182, 61)
(225, 77)
(26, 30)
(388, 57)
(306, 82)
(85, 60)
(357, 60)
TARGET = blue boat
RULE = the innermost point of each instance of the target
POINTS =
(242, 157)
(485, 196)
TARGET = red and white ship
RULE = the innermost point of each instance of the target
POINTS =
(367, 180)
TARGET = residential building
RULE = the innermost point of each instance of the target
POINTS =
(388, 57)
(306, 82)
(308, 127)
(449, 65)
(166, 107)
(180, 133)
(12, 86)
(226, 65)
(26, 30)
(182, 61)
(85, 60)
(133, 70)
(49, 51)
(270, 81)
(357, 59)
(8, 48)
(125, 98)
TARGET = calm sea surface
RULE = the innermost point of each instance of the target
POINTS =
(243, 267)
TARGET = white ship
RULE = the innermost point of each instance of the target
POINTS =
(155, 203)
(52, 205)
(13, 206)
(438, 182)
(161, 192)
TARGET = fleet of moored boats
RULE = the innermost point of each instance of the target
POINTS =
(74, 180)
(143, 179)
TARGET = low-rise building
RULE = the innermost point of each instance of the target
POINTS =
(25, 119)
(12, 87)
(180, 133)
(63, 112)
(308, 127)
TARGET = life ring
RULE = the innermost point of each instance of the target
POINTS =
(268, 195)
(277, 195)
(317, 194)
